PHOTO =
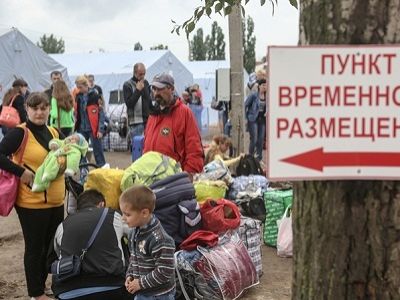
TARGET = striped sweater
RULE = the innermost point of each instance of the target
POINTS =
(152, 259)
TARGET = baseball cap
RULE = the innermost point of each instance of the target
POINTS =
(162, 80)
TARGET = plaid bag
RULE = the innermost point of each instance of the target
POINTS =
(276, 202)
(250, 232)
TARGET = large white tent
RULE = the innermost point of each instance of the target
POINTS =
(112, 69)
(20, 58)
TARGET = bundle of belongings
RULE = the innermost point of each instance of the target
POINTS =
(215, 221)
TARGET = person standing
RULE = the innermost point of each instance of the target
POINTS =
(23, 86)
(196, 104)
(256, 112)
(137, 99)
(61, 108)
(90, 118)
(97, 88)
(171, 128)
(54, 76)
(38, 213)
(151, 267)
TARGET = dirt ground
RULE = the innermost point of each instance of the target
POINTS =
(274, 284)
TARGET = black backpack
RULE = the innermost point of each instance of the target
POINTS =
(248, 165)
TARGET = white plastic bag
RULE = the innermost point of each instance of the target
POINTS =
(284, 243)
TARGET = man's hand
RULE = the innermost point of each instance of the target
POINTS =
(27, 177)
(99, 135)
(140, 85)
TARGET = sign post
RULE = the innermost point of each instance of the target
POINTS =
(334, 112)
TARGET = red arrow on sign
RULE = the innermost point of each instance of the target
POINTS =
(317, 159)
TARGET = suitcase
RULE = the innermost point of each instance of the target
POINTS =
(250, 232)
(137, 147)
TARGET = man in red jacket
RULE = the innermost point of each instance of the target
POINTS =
(171, 128)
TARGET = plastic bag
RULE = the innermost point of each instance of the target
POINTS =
(219, 216)
(106, 181)
(206, 189)
(221, 272)
(284, 244)
(216, 170)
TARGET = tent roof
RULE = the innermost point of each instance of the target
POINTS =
(205, 68)
(20, 58)
(107, 62)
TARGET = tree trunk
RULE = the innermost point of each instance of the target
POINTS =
(347, 233)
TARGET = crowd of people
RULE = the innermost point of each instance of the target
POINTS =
(170, 124)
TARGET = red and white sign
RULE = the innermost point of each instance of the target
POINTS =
(334, 112)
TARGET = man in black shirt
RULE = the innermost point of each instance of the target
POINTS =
(137, 99)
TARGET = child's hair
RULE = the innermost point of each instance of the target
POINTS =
(63, 96)
(35, 99)
(222, 139)
(215, 147)
(139, 197)
(90, 198)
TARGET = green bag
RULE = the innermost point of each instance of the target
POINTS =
(276, 203)
(149, 168)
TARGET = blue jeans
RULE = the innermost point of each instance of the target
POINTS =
(97, 148)
(136, 129)
(197, 111)
(168, 296)
(257, 135)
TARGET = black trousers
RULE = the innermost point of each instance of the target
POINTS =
(38, 228)
(117, 294)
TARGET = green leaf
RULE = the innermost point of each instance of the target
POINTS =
(245, 2)
(218, 7)
(227, 10)
(173, 21)
(200, 13)
(190, 27)
(263, 2)
(294, 3)
(208, 11)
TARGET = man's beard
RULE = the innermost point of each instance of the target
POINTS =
(162, 102)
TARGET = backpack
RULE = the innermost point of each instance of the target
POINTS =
(149, 168)
(248, 165)
(176, 206)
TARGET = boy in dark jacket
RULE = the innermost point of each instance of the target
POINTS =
(151, 266)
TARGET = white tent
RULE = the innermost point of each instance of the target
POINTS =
(204, 74)
(112, 69)
(20, 58)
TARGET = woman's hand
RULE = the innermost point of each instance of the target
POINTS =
(27, 177)
(99, 135)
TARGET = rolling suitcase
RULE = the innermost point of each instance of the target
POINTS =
(137, 147)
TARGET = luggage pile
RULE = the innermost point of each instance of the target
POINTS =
(216, 220)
